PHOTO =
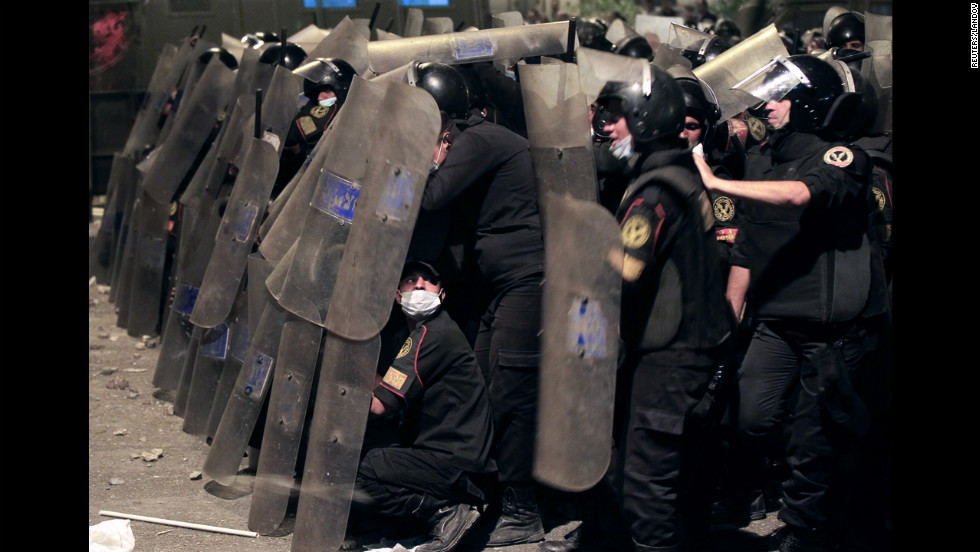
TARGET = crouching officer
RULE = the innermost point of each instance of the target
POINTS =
(434, 399)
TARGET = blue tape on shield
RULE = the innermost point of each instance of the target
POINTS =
(399, 192)
(240, 225)
(473, 47)
(184, 299)
(336, 197)
(214, 343)
(586, 329)
(257, 375)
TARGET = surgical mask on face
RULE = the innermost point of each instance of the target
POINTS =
(328, 102)
(419, 303)
(623, 149)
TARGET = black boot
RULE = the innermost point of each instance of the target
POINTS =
(519, 521)
(449, 525)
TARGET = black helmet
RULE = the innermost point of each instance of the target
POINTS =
(223, 55)
(857, 109)
(845, 28)
(326, 74)
(592, 34)
(256, 40)
(706, 51)
(811, 84)
(446, 85)
(292, 57)
(477, 93)
(697, 103)
(654, 106)
(634, 46)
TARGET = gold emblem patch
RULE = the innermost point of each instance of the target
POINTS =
(405, 348)
(319, 111)
(635, 232)
(880, 198)
(757, 129)
(395, 378)
(838, 157)
(723, 208)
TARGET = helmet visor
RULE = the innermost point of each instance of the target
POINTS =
(772, 81)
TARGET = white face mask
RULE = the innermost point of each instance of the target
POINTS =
(623, 149)
(328, 102)
(418, 304)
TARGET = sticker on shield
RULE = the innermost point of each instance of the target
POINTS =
(214, 343)
(474, 47)
(336, 197)
(396, 201)
(240, 225)
(586, 329)
(257, 373)
(184, 299)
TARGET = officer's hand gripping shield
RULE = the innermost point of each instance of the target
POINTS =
(579, 343)
(722, 73)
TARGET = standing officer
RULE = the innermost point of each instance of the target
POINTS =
(486, 184)
(436, 397)
(675, 322)
(804, 256)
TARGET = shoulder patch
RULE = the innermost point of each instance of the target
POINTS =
(879, 198)
(635, 231)
(395, 378)
(839, 156)
(757, 129)
(723, 208)
(405, 348)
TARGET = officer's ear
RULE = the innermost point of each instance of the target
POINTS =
(398, 296)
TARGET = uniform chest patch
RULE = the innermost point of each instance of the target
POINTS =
(757, 129)
(723, 208)
(307, 125)
(319, 111)
(635, 232)
(838, 156)
(405, 348)
(395, 379)
(879, 198)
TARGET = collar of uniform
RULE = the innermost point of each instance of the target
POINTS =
(790, 144)
(663, 158)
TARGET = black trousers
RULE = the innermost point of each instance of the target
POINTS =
(666, 482)
(508, 350)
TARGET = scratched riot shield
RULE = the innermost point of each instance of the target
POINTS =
(343, 400)
(544, 39)
(685, 38)
(307, 280)
(668, 56)
(129, 186)
(145, 129)
(248, 202)
(148, 283)
(558, 130)
(238, 347)
(103, 248)
(596, 68)
(506, 19)
(437, 25)
(212, 355)
(191, 72)
(722, 73)
(195, 121)
(656, 25)
(878, 68)
(579, 343)
(345, 42)
(248, 395)
(414, 20)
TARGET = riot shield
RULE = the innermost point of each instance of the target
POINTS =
(414, 20)
(385, 35)
(187, 372)
(336, 433)
(506, 19)
(289, 399)
(237, 232)
(657, 25)
(543, 39)
(878, 68)
(558, 130)
(579, 343)
(195, 120)
(387, 209)
(145, 129)
(103, 248)
(212, 355)
(345, 42)
(668, 56)
(831, 14)
(596, 68)
(244, 405)
(148, 284)
(619, 30)
(685, 38)
(122, 248)
(239, 340)
(722, 73)
(437, 26)
(191, 71)
(309, 37)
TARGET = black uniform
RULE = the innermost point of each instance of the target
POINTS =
(304, 132)
(486, 189)
(434, 391)
(675, 323)
(815, 280)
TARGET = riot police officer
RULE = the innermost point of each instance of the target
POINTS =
(804, 261)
